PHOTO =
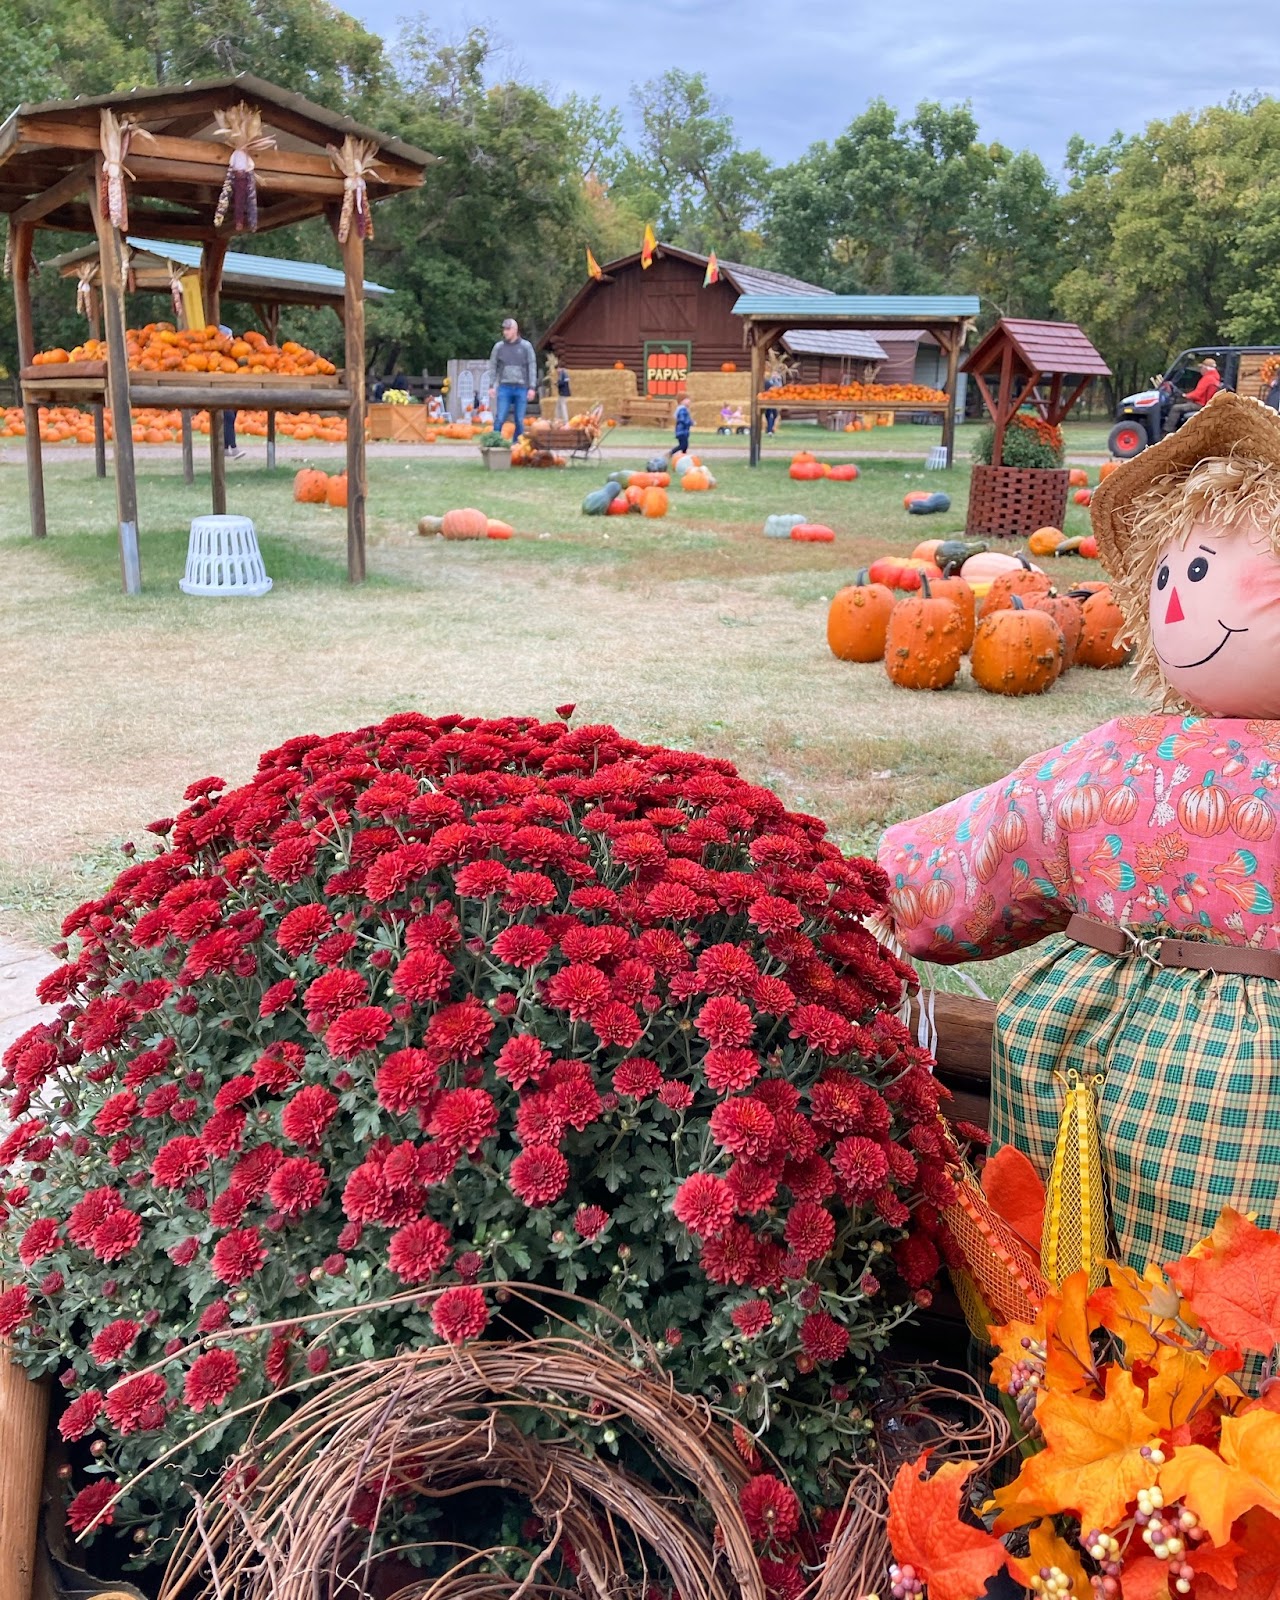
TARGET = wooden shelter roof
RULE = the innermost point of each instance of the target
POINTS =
(1052, 349)
(46, 150)
(824, 310)
(244, 276)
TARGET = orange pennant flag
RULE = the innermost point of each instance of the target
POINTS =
(648, 248)
(593, 266)
(713, 271)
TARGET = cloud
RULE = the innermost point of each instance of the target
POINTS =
(790, 76)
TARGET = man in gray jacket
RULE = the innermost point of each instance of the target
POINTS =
(513, 376)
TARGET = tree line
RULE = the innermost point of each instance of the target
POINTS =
(1152, 240)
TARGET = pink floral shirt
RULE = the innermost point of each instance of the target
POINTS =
(1157, 821)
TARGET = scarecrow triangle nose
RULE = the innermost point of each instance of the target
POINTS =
(1175, 612)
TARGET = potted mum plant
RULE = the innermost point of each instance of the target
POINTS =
(1027, 488)
(495, 450)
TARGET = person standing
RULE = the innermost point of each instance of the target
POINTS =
(775, 380)
(562, 395)
(230, 448)
(513, 377)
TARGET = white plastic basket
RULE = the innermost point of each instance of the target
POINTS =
(223, 558)
(937, 457)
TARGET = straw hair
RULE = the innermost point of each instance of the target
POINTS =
(1222, 467)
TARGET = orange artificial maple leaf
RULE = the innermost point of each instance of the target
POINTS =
(1181, 1382)
(1092, 1462)
(1069, 1360)
(1047, 1549)
(1146, 1578)
(1007, 1337)
(1231, 1281)
(953, 1558)
(1137, 1309)
(1256, 1574)
(1243, 1474)
(1015, 1190)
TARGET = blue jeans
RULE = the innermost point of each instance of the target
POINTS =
(512, 401)
(682, 442)
(770, 421)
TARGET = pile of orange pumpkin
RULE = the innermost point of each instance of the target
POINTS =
(858, 394)
(151, 425)
(525, 453)
(806, 468)
(1019, 632)
(311, 487)
(160, 347)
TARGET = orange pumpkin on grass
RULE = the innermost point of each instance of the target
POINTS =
(464, 523)
(858, 620)
(310, 486)
(923, 642)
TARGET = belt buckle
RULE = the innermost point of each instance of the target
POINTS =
(1150, 949)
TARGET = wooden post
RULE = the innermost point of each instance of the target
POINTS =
(24, 1414)
(956, 333)
(271, 439)
(118, 387)
(99, 440)
(757, 383)
(211, 260)
(188, 454)
(21, 251)
(353, 327)
(1004, 405)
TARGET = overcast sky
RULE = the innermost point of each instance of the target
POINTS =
(792, 73)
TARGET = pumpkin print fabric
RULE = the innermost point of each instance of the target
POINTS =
(1166, 824)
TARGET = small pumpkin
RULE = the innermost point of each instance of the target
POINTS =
(696, 480)
(930, 504)
(927, 550)
(619, 506)
(310, 486)
(806, 471)
(633, 494)
(1044, 541)
(728, 366)
(1252, 818)
(1078, 478)
(429, 527)
(653, 502)
(965, 601)
(909, 499)
(465, 523)
(858, 620)
(499, 530)
(1089, 546)
(895, 572)
(1100, 638)
(803, 455)
(1080, 807)
(335, 491)
(619, 366)
(1022, 582)
(780, 524)
(657, 464)
(922, 647)
(1107, 468)
(813, 533)
(1016, 651)
(846, 472)
(1082, 497)
(1069, 616)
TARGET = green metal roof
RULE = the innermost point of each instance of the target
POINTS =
(243, 268)
(835, 308)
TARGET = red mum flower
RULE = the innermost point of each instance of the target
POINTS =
(297, 1185)
(302, 929)
(522, 946)
(422, 976)
(479, 880)
(823, 1030)
(916, 1260)
(459, 1032)
(419, 1250)
(677, 1096)
(810, 1230)
(579, 989)
(15, 1307)
(116, 1115)
(576, 1103)
(590, 1221)
(823, 1337)
(539, 1175)
(184, 1252)
(753, 1184)
(463, 1119)
(104, 1022)
(238, 1255)
(277, 997)
(80, 1416)
(406, 1079)
(745, 1126)
(211, 1379)
(616, 1024)
(214, 1316)
(223, 1133)
(729, 1068)
(89, 1508)
(704, 1203)
(727, 969)
(522, 1059)
(331, 994)
(637, 1078)
(529, 891)
(279, 1361)
(306, 1117)
(357, 1031)
(783, 1580)
(810, 1179)
(178, 1162)
(291, 860)
(723, 1021)
(460, 1313)
(392, 873)
(890, 1208)
(731, 1256)
(40, 1239)
(212, 955)
(538, 1120)
(137, 1404)
(114, 1341)
(862, 1165)
(770, 1509)
(752, 1318)
(772, 914)
(116, 1235)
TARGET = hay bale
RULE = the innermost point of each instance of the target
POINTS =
(719, 389)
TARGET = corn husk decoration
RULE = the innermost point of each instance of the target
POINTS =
(85, 281)
(355, 161)
(241, 128)
(175, 291)
(116, 136)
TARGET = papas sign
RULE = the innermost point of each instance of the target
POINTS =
(666, 368)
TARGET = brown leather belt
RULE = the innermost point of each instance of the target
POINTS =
(1194, 954)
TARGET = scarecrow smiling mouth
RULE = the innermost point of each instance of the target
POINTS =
(1186, 666)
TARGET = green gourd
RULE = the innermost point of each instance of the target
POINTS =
(598, 501)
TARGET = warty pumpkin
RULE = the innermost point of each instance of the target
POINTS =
(1023, 581)
(922, 648)
(310, 486)
(858, 620)
(464, 523)
(1103, 624)
(965, 601)
(1016, 651)
(1068, 614)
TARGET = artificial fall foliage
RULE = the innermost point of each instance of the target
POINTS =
(1151, 1466)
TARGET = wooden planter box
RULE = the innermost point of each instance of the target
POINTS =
(1012, 502)
(399, 424)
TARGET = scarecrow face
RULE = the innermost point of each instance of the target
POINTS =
(1215, 620)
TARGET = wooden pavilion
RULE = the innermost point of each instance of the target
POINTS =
(1019, 358)
(948, 318)
(63, 167)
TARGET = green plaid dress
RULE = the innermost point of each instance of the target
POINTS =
(1189, 1109)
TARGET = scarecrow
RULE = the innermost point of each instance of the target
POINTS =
(1137, 1057)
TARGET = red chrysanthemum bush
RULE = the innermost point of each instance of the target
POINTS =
(444, 1003)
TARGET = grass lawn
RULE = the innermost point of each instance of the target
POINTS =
(694, 631)
(904, 438)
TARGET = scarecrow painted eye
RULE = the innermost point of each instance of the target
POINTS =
(1198, 568)
(1162, 577)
